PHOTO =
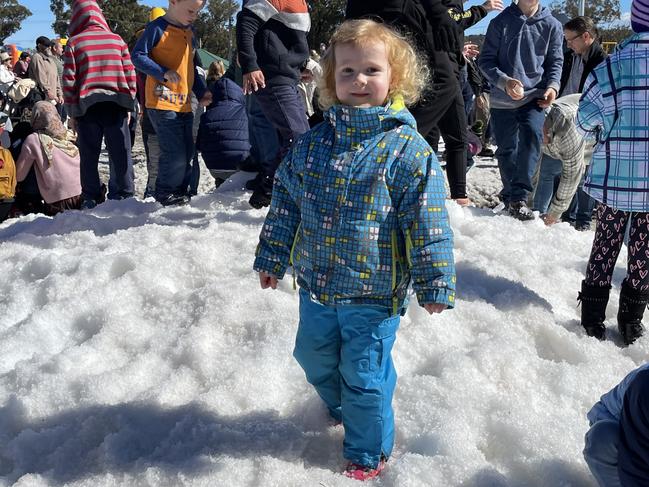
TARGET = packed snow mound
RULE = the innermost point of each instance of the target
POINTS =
(138, 349)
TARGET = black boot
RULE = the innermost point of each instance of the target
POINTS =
(629, 315)
(593, 309)
(262, 195)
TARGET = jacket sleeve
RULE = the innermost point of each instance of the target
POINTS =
(25, 159)
(488, 59)
(247, 26)
(281, 224)
(572, 169)
(424, 223)
(141, 55)
(200, 86)
(129, 71)
(69, 81)
(554, 61)
(590, 116)
(468, 18)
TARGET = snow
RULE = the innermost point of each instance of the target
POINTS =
(137, 349)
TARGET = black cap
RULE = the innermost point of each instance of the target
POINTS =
(44, 41)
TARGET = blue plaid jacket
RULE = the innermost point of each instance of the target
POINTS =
(614, 108)
(358, 209)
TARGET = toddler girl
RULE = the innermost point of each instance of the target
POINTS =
(358, 211)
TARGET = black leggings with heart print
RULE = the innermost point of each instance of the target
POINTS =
(609, 235)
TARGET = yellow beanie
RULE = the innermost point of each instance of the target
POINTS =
(155, 13)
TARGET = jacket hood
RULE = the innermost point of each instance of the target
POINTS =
(541, 13)
(225, 89)
(86, 14)
(372, 120)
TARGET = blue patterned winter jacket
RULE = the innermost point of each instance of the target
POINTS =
(358, 209)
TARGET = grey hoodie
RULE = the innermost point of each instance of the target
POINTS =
(524, 48)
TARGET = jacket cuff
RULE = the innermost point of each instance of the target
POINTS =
(437, 295)
(269, 266)
(555, 86)
(250, 67)
(502, 83)
(555, 212)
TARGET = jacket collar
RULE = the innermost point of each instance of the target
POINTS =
(361, 123)
(594, 48)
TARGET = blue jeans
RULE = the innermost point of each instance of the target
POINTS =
(284, 109)
(601, 450)
(345, 353)
(174, 132)
(518, 135)
(105, 121)
(152, 152)
(264, 143)
(581, 207)
(467, 95)
(549, 174)
(194, 175)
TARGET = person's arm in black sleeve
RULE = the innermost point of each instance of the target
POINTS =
(446, 32)
(248, 24)
(469, 18)
(475, 78)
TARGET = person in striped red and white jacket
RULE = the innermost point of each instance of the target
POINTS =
(99, 88)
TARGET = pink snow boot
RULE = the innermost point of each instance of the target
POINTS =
(363, 472)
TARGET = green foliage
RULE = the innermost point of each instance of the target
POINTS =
(326, 15)
(125, 17)
(215, 27)
(12, 14)
(614, 34)
(601, 11)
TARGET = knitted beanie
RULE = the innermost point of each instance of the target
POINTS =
(640, 15)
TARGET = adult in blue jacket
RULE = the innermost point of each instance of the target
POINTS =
(223, 138)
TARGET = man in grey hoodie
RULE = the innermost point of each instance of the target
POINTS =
(522, 59)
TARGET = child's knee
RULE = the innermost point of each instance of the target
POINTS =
(602, 440)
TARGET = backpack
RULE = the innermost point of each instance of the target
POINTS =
(7, 176)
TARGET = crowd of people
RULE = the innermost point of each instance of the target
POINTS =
(344, 141)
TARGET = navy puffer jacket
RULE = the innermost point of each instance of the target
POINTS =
(223, 132)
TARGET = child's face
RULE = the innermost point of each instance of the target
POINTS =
(363, 74)
(184, 12)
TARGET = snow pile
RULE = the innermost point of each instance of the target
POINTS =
(137, 349)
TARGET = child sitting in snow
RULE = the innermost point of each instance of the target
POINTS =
(358, 210)
(617, 442)
(223, 139)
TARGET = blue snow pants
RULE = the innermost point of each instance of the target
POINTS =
(345, 351)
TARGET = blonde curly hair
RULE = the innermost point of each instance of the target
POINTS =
(409, 75)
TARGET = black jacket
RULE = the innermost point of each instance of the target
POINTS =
(415, 19)
(272, 46)
(596, 56)
(407, 16)
(465, 19)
